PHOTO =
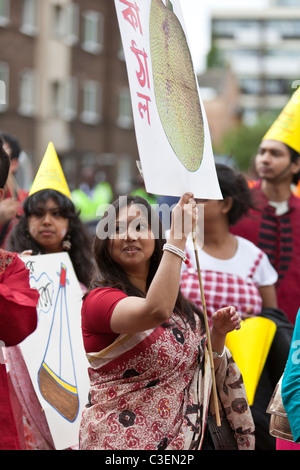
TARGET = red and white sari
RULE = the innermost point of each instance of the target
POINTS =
(149, 392)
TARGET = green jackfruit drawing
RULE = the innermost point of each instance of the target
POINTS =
(175, 86)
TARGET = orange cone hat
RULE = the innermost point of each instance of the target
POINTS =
(50, 174)
(286, 128)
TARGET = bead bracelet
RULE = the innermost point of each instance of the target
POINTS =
(219, 355)
(176, 251)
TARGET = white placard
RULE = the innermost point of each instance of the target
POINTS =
(54, 353)
(163, 170)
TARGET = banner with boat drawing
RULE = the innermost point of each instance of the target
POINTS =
(54, 353)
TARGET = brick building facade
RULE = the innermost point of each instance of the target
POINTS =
(66, 82)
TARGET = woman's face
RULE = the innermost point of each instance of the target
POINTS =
(47, 227)
(132, 243)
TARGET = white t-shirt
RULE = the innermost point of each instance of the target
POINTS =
(240, 264)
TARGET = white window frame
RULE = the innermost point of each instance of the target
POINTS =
(55, 98)
(4, 92)
(125, 117)
(30, 17)
(92, 100)
(64, 99)
(58, 21)
(70, 91)
(72, 24)
(93, 28)
(123, 174)
(66, 23)
(4, 12)
(28, 92)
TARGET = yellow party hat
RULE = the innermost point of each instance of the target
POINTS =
(50, 174)
(250, 347)
(286, 128)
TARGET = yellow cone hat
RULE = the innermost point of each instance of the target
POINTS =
(50, 174)
(286, 128)
(250, 347)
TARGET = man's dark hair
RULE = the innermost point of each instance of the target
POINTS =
(4, 165)
(294, 158)
(13, 144)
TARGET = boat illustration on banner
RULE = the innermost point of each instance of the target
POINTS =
(56, 376)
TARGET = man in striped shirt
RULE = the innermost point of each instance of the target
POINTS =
(274, 224)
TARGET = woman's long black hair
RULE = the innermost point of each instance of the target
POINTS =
(234, 185)
(80, 251)
(110, 273)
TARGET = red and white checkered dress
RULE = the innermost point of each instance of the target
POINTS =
(221, 288)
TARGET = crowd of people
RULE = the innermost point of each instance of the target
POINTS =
(154, 328)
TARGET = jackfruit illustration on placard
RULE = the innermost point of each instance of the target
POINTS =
(56, 376)
(175, 86)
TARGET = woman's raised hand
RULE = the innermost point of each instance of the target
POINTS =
(184, 217)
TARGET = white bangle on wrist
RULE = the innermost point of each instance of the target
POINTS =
(176, 251)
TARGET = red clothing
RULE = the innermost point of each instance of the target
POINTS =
(96, 312)
(278, 237)
(286, 445)
(8, 431)
(18, 319)
(147, 392)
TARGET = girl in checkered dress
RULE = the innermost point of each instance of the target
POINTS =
(234, 271)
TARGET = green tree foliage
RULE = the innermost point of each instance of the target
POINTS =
(215, 58)
(242, 142)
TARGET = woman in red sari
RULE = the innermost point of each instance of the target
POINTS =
(50, 224)
(18, 319)
(146, 344)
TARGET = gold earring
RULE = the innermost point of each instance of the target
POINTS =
(66, 244)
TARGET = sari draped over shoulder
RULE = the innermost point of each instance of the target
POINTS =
(148, 391)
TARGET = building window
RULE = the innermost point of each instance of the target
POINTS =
(66, 23)
(288, 3)
(30, 17)
(64, 99)
(70, 99)
(28, 90)
(235, 28)
(288, 29)
(280, 54)
(4, 81)
(55, 98)
(125, 119)
(276, 86)
(93, 32)
(4, 12)
(91, 113)
(124, 174)
(250, 86)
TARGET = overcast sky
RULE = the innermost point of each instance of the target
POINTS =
(197, 14)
